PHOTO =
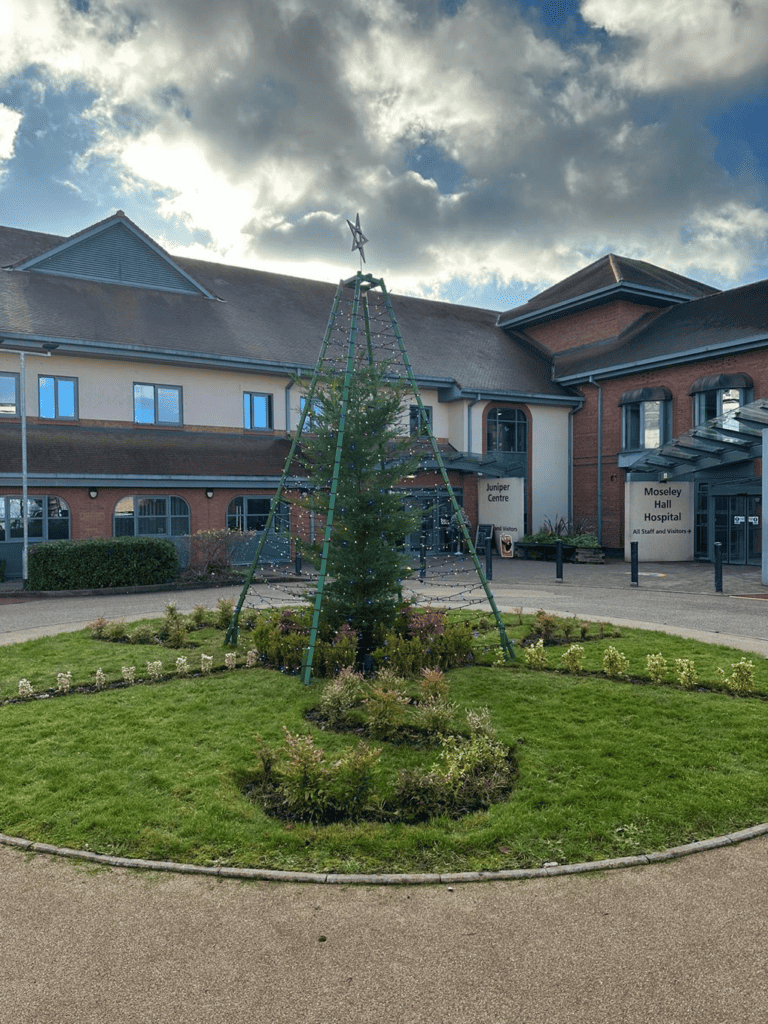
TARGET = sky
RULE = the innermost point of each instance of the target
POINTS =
(491, 147)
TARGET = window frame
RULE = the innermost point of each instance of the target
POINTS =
(420, 425)
(168, 515)
(17, 396)
(57, 380)
(157, 422)
(635, 415)
(493, 423)
(711, 390)
(237, 520)
(44, 518)
(248, 411)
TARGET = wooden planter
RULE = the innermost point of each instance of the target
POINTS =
(595, 556)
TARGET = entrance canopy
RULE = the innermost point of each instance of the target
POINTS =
(737, 437)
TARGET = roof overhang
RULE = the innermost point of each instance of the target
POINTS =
(621, 291)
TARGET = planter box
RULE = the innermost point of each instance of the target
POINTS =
(544, 552)
(594, 555)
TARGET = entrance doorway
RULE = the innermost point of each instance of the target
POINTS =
(738, 527)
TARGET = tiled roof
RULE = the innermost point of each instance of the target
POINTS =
(695, 329)
(257, 317)
(74, 449)
(611, 277)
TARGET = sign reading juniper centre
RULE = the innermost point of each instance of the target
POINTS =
(500, 502)
(659, 516)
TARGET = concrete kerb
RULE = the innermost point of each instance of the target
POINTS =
(446, 878)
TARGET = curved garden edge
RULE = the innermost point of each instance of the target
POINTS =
(448, 878)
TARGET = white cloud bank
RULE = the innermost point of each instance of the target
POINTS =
(267, 122)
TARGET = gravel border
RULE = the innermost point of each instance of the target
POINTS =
(448, 878)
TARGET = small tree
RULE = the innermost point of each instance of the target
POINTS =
(366, 557)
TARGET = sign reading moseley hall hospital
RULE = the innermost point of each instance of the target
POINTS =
(659, 516)
(500, 504)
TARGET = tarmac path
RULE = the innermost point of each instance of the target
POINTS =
(677, 942)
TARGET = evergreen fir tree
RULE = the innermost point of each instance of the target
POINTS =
(366, 556)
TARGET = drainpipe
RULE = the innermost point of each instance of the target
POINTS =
(594, 383)
(288, 403)
(469, 422)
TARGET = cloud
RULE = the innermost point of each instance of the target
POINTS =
(9, 125)
(685, 43)
(264, 125)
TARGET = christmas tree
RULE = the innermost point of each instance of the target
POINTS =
(367, 553)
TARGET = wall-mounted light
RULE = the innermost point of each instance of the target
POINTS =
(93, 492)
(209, 493)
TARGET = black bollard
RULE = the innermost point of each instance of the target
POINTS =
(633, 557)
(298, 563)
(488, 558)
(559, 561)
(718, 567)
(423, 558)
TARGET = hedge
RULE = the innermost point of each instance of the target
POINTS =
(93, 564)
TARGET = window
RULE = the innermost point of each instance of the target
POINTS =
(646, 418)
(151, 517)
(310, 423)
(57, 397)
(249, 515)
(506, 430)
(47, 518)
(156, 403)
(418, 422)
(719, 395)
(257, 411)
(9, 394)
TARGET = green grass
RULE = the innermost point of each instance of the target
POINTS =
(607, 768)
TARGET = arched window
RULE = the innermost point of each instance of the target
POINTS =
(151, 517)
(47, 518)
(506, 430)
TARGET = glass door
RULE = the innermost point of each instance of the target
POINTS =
(738, 527)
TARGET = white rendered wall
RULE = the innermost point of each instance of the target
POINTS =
(549, 464)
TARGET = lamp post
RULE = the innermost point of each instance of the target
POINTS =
(22, 354)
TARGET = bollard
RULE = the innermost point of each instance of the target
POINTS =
(633, 556)
(718, 567)
(423, 558)
(488, 558)
(298, 563)
(559, 561)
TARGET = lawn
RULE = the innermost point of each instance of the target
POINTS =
(607, 767)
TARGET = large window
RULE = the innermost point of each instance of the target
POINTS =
(157, 403)
(419, 423)
(646, 418)
(719, 395)
(47, 518)
(57, 397)
(249, 515)
(9, 394)
(151, 517)
(257, 411)
(506, 430)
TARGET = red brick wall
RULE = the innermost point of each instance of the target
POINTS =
(679, 380)
(589, 325)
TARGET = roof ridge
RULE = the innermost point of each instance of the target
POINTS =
(616, 272)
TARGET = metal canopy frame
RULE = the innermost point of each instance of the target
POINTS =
(361, 284)
(737, 437)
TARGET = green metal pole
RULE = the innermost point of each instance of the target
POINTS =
(309, 653)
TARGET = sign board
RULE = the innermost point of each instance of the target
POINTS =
(500, 502)
(659, 516)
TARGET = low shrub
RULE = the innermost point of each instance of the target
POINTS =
(742, 679)
(98, 563)
(615, 664)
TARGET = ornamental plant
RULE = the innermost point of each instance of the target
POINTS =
(25, 689)
(64, 682)
(742, 679)
(535, 655)
(685, 673)
(366, 562)
(657, 667)
(572, 660)
(615, 664)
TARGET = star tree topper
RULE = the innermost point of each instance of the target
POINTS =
(358, 238)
